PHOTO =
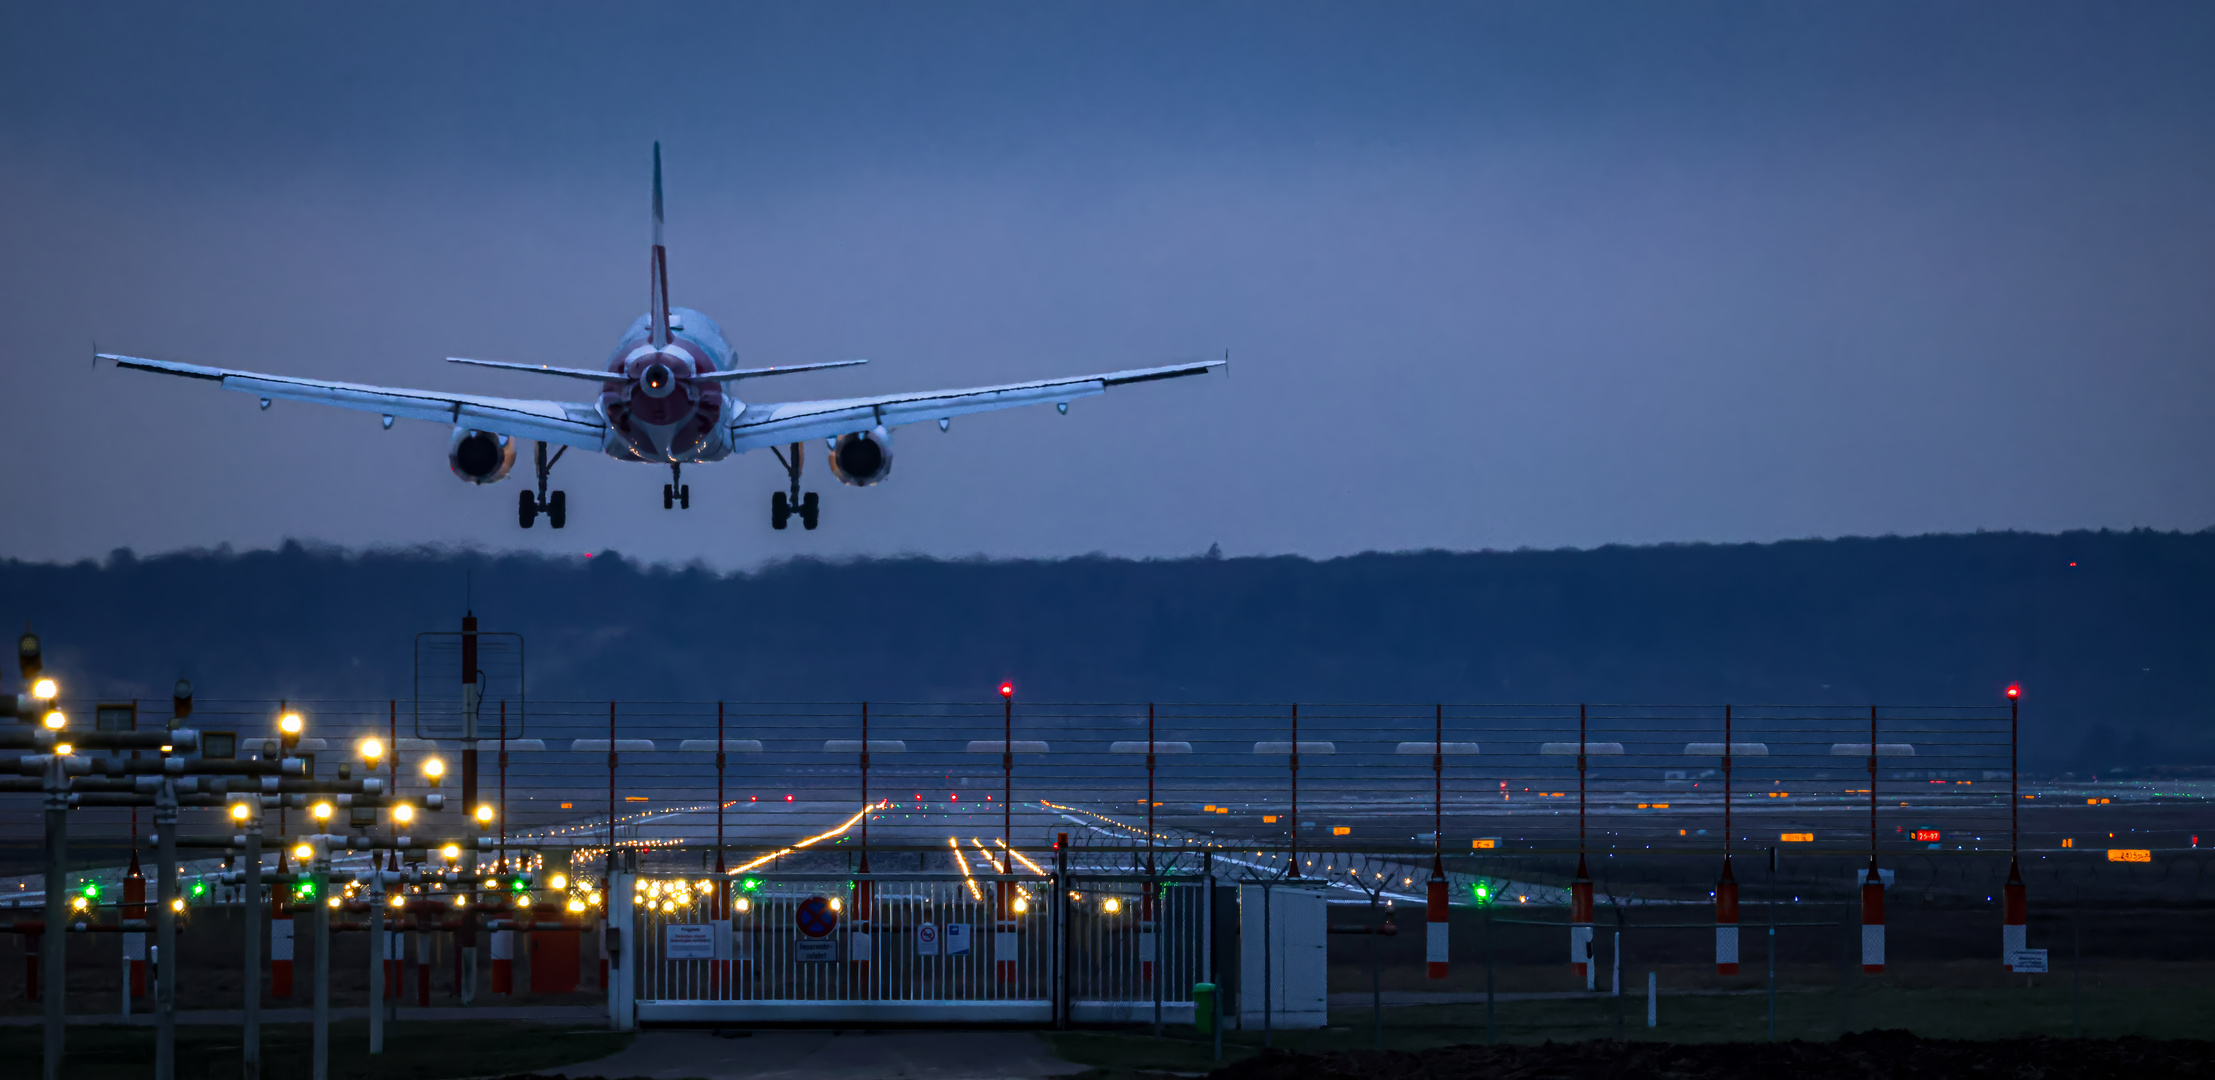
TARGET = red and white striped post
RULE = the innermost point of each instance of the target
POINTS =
(1872, 920)
(1434, 924)
(2014, 915)
(1435, 912)
(1580, 921)
(1580, 890)
(1726, 888)
(280, 942)
(503, 962)
(2015, 898)
(134, 943)
(1872, 884)
(1726, 922)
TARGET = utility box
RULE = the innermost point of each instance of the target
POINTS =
(1283, 971)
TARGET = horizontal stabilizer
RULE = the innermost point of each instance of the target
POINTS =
(609, 376)
(602, 375)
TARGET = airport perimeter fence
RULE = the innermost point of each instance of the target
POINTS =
(1643, 777)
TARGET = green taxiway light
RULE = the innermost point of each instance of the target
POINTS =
(1483, 891)
(750, 885)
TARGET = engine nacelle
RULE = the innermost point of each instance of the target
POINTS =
(480, 457)
(863, 458)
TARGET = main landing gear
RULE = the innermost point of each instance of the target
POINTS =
(555, 506)
(781, 506)
(676, 493)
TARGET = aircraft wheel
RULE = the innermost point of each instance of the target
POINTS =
(684, 496)
(526, 509)
(780, 511)
(668, 497)
(808, 510)
(557, 509)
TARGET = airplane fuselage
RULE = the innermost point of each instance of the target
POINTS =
(658, 410)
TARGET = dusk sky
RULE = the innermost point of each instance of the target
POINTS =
(1490, 275)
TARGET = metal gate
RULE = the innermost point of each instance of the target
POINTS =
(911, 947)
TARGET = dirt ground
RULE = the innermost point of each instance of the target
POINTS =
(1860, 1056)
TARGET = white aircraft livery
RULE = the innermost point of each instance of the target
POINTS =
(667, 397)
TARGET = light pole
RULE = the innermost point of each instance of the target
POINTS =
(246, 814)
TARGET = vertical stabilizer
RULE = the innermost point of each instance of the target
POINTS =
(658, 306)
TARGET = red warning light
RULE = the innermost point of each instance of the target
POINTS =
(788, 798)
(753, 798)
(2014, 691)
(1007, 689)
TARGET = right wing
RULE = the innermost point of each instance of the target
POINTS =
(565, 423)
(792, 421)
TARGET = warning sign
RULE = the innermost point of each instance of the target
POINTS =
(815, 917)
(926, 939)
(688, 941)
(2027, 961)
(956, 937)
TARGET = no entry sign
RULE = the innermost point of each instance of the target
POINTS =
(815, 918)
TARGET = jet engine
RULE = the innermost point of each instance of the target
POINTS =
(480, 457)
(862, 458)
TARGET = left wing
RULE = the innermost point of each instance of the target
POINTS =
(771, 424)
(565, 423)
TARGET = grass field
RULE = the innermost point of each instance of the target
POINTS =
(420, 1050)
(2167, 1012)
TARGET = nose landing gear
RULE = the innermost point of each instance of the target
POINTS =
(676, 493)
(782, 506)
(555, 506)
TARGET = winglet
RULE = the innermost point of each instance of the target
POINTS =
(658, 288)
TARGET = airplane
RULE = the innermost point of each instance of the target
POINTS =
(667, 397)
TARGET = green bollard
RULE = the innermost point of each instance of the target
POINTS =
(1203, 1007)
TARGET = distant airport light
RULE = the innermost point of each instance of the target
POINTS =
(45, 690)
(403, 813)
(322, 811)
(371, 750)
(55, 721)
(2013, 690)
(1007, 689)
(239, 811)
(433, 769)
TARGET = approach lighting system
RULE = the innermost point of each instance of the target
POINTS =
(64, 749)
(558, 881)
(321, 810)
(450, 852)
(303, 852)
(289, 727)
(55, 720)
(177, 904)
(433, 770)
(240, 811)
(45, 690)
(403, 813)
(484, 815)
(371, 750)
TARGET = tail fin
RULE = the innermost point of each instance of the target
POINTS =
(658, 299)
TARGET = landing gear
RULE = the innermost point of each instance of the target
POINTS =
(783, 506)
(676, 493)
(555, 506)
